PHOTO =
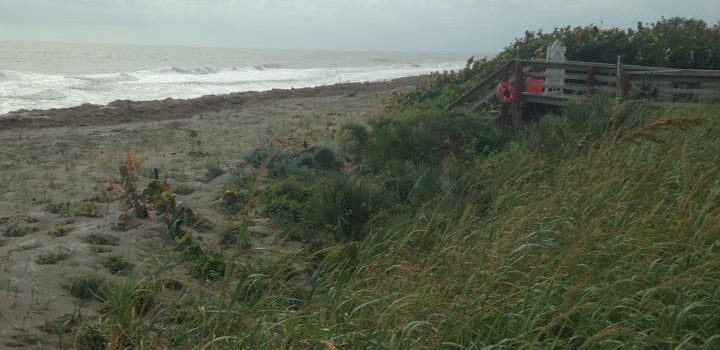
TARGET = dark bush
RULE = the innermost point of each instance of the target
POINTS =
(343, 204)
(324, 158)
(353, 139)
(427, 137)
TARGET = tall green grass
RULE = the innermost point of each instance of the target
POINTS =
(598, 228)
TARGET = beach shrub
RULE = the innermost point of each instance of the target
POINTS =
(424, 137)
(288, 203)
(581, 123)
(257, 157)
(204, 264)
(294, 163)
(325, 158)
(353, 138)
(343, 204)
(235, 192)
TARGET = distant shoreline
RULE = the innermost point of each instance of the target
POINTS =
(126, 111)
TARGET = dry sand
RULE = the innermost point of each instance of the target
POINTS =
(58, 160)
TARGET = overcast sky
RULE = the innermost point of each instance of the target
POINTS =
(404, 25)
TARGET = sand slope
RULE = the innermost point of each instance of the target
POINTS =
(53, 165)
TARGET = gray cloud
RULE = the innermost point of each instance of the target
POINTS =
(411, 25)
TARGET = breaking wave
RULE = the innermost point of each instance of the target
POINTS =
(28, 90)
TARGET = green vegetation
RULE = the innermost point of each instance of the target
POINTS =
(62, 210)
(87, 287)
(591, 229)
(595, 228)
(88, 209)
(183, 189)
(63, 324)
(237, 235)
(670, 42)
(204, 264)
(91, 337)
(100, 239)
(126, 301)
(118, 265)
(59, 231)
(52, 257)
(15, 230)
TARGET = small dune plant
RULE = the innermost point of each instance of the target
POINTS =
(118, 265)
(16, 230)
(158, 196)
(101, 239)
(88, 287)
(91, 337)
(52, 257)
(59, 231)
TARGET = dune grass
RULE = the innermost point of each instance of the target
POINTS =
(597, 228)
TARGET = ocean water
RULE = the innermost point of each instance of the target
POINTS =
(51, 75)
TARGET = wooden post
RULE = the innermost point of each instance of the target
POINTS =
(618, 79)
(519, 90)
(625, 83)
(503, 110)
(590, 80)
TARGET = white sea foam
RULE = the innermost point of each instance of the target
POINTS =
(28, 90)
(43, 95)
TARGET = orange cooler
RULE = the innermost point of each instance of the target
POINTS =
(535, 86)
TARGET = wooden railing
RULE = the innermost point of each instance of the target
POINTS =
(656, 84)
(483, 91)
(674, 85)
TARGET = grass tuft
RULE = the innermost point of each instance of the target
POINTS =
(15, 231)
(88, 287)
(101, 239)
(118, 265)
(52, 257)
(91, 337)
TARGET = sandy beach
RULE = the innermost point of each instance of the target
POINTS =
(56, 215)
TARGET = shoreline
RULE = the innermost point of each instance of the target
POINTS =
(127, 111)
(55, 164)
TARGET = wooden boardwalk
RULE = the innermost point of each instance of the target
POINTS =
(628, 82)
